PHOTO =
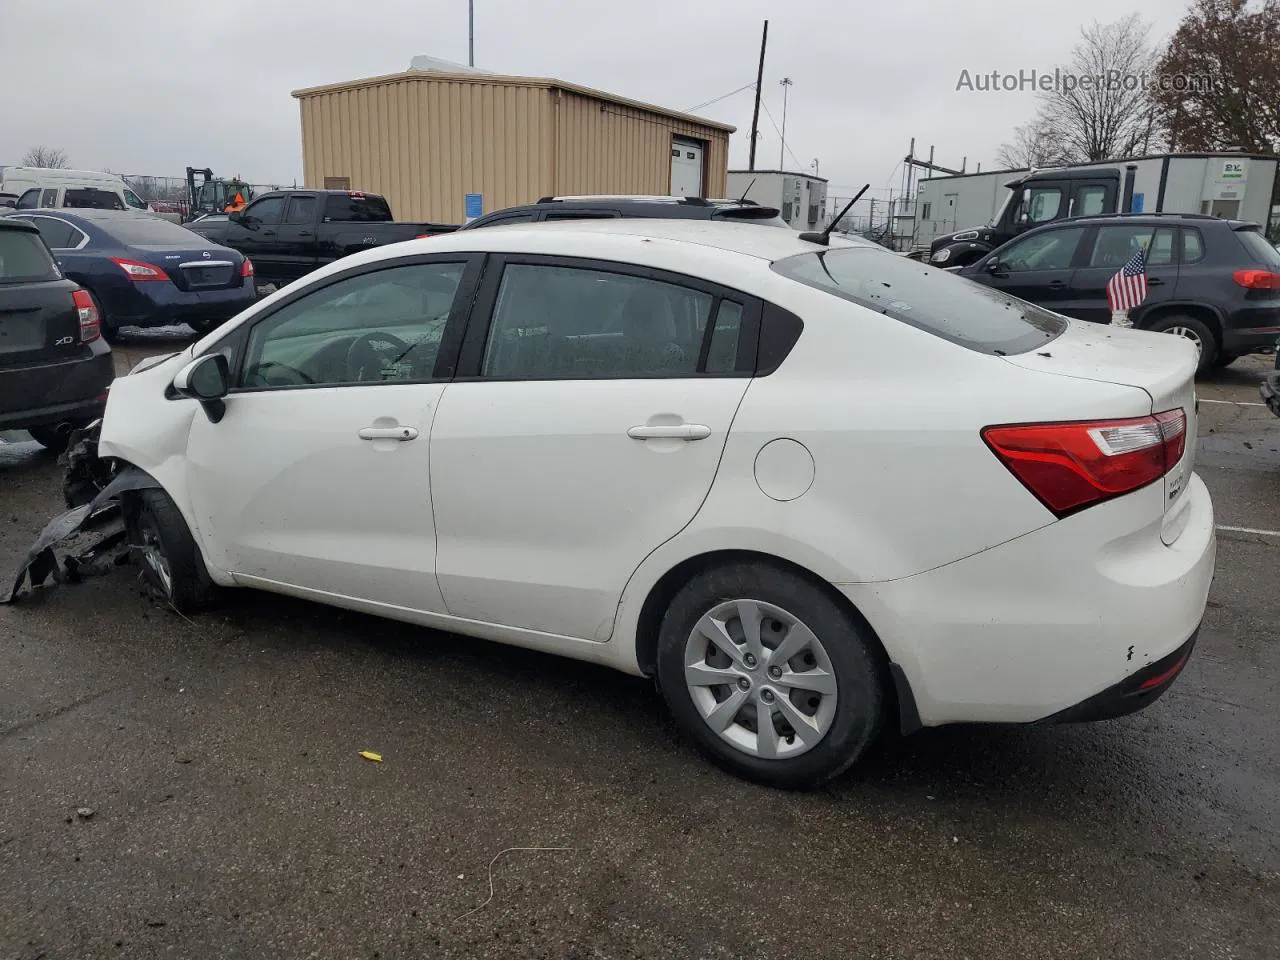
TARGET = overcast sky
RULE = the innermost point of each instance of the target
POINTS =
(150, 86)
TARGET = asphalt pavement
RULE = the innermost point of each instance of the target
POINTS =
(191, 788)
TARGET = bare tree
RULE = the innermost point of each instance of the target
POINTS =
(42, 156)
(1102, 107)
(1223, 67)
(1034, 144)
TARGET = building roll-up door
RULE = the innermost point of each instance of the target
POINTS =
(686, 167)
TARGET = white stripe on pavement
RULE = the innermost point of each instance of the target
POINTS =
(1253, 530)
(1234, 403)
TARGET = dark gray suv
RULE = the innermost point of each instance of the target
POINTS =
(1213, 281)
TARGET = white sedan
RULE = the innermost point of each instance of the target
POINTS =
(810, 490)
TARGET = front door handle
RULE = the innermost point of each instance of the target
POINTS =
(389, 433)
(1057, 284)
(1154, 281)
(670, 431)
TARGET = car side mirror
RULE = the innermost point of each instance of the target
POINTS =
(235, 216)
(992, 265)
(208, 380)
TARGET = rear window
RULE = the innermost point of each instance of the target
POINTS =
(24, 258)
(938, 302)
(92, 199)
(357, 207)
(148, 230)
(1259, 248)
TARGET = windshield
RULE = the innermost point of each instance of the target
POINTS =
(1008, 199)
(936, 301)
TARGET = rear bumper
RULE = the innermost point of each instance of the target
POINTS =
(168, 305)
(62, 392)
(1251, 329)
(1044, 624)
(1135, 692)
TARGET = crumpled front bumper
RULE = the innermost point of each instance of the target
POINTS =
(92, 490)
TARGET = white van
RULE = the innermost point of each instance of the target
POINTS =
(41, 187)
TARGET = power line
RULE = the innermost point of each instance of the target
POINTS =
(724, 96)
(799, 165)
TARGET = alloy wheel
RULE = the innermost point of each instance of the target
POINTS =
(1188, 333)
(760, 679)
(154, 557)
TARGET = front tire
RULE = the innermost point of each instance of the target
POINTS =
(1195, 330)
(162, 545)
(747, 640)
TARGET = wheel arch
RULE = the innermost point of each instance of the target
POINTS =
(1207, 314)
(897, 688)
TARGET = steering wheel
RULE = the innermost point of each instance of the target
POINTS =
(366, 353)
(261, 370)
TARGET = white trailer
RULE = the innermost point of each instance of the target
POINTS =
(996, 206)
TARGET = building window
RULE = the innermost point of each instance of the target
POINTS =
(926, 211)
(786, 211)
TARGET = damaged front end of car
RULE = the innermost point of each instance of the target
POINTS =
(92, 488)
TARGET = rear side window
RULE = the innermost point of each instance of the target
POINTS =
(58, 234)
(357, 206)
(951, 307)
(302, 209)
(89, 198)
(1259, 249)
(24, 258)
(1192, 245)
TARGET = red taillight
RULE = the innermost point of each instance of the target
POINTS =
(137, 270)
(90, 321)
(1257, 279)
(1070, 466)
(246, 268)
(422, 236)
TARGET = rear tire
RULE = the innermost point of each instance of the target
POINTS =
(1195, 330)
(828, 677)
(161, 542)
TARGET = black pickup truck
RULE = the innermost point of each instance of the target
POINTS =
(289, 233)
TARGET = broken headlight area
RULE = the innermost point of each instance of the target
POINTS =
(92, 488)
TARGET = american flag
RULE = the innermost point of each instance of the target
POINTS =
(1128, 287)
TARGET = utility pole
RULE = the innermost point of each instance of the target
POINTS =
(786, 85)
(755, 115)
(814, 164)
(471, 33)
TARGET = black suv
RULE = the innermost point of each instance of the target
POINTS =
(604, 207)
(54, 365)
(1213, 281)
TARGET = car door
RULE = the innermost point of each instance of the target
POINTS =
(316, 478)
(1037, 268)
(254, 233)
(584, 429)
(296, 236)
(1106, 251)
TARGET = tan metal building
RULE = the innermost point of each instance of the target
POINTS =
(425, 139)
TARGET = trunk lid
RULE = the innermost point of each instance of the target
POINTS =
(1162, 365)
(195, 267)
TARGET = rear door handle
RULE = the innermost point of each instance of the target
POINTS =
(670, 431)
(1057, 284)
(1154, 281)
(389, 433)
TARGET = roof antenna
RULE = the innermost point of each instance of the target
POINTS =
(824, 237)
(743, 198)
